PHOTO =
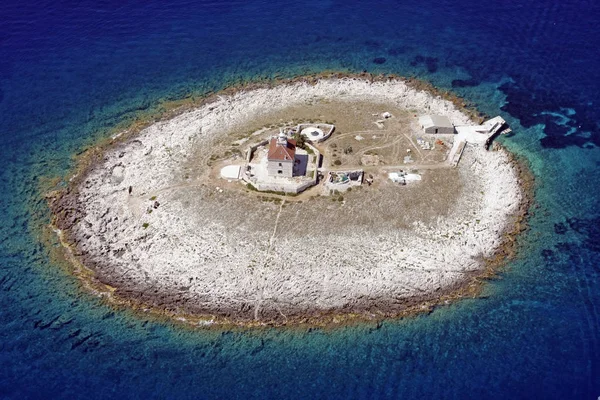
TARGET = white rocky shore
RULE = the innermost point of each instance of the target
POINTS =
(196, 252)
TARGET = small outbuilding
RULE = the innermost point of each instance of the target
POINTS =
(436, 124)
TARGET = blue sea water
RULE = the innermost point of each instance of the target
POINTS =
(69, 71)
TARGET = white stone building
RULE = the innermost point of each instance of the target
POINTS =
(436, 124)
(281, 156)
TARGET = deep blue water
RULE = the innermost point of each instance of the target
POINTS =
(69, 71)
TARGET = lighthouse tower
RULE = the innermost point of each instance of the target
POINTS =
(282, 139)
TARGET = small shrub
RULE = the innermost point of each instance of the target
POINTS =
(337, 162)
(145, 225)
(300, 141)
(152, 198)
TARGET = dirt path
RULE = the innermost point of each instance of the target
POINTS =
(267, 262)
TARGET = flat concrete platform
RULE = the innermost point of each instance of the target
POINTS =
(231, 172)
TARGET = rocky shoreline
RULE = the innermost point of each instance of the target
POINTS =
(99, 249)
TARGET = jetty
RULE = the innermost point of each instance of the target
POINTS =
(483, 134)
(456, 152)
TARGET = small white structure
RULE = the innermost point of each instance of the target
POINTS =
(412, 177)
(403, 177)
(315, 133)
(396, 177)
(436, 124)
(231, 172)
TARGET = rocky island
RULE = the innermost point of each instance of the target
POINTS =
(399, 215)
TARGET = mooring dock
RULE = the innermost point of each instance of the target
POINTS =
(483, 134)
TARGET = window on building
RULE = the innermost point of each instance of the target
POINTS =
(280, 164)
(280, 172)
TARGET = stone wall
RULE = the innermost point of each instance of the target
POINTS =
(252, 149)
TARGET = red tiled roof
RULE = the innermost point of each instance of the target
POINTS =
(278, 152)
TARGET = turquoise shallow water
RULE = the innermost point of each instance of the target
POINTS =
(70, 73)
